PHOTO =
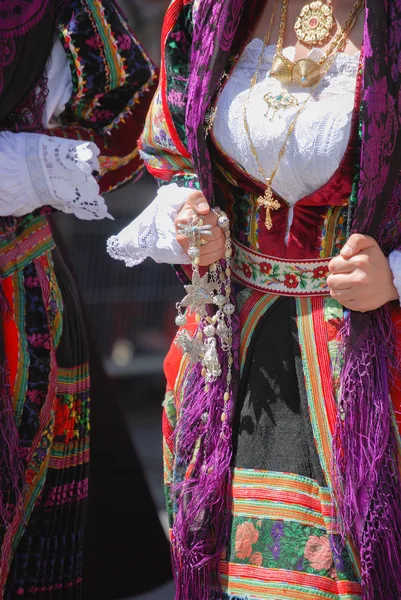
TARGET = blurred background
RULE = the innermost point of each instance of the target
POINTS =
(130, 311)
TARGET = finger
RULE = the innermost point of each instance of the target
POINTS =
(340, 265)
(186, 214)
(209, 259)
(212, 247)
(339, 282)
(342, 296)
(208, 248)
(198, 203)
(216, 234)
(356, 243)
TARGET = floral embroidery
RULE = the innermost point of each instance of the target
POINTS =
(318, 552)
(279, 276)
(256, 559)
(320, 272)
(176, 98)
(288, 545)
(265, 268)
(247, 270)
(291, 281)
(247, 535)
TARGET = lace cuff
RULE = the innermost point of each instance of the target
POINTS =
(153, 234)
(394, 260)
(37, 170)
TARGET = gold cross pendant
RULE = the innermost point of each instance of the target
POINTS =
(269, 203)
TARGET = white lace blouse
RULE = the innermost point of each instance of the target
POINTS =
(37, 170)
(313, 154)
(321, 135)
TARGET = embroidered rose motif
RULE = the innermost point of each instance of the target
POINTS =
(94, 41)
(320, 272)
(246, 535)
(62, 414)
(124, 41)
(333, 573)
(30, 475)
(176, 98)
(265, 268)
(38, 340)
(247, 270)
(318, 552)
(291, 281)
(256, 559)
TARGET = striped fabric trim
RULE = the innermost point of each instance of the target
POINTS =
(69, 459)
(282, 496)
(313, 342)
(250, 582)
(73, 381)
(17, 251)
(21, 380)
(250, 315)
(314, 349)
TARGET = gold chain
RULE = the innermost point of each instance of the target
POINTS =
(267, 200)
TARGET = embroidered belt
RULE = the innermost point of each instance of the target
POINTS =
(19, 248)
(280, 276)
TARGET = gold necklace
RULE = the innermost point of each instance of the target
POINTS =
(315, 23)
(268, 201)
(306, 72)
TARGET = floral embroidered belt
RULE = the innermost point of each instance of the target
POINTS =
(279, 276)
(21, 246)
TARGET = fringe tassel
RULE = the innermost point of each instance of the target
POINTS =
(367, 481)
(203, 496)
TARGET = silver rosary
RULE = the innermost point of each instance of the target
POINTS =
(208, 296)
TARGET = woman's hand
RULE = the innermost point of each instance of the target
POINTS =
(361, 278)
(214, 249)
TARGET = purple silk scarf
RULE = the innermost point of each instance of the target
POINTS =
(367, 475)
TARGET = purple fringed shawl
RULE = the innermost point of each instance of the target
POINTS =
(367, 474)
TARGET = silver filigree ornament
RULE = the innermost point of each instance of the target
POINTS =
(208, 297)
(199, 294)
(211, 360)
(192, 346)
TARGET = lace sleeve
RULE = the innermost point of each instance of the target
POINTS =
(153, 234)
(37, 170)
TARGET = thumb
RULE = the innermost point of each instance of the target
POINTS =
(357, 243)
(198, 203)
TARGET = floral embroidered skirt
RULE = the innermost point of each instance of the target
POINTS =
(284, 542)
(45, 351)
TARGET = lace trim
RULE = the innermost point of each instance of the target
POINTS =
(35, 168)
(69, 165)
(127, 251)
(152, 234)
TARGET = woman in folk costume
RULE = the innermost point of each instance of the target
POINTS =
(281, 420)
(74, 87)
